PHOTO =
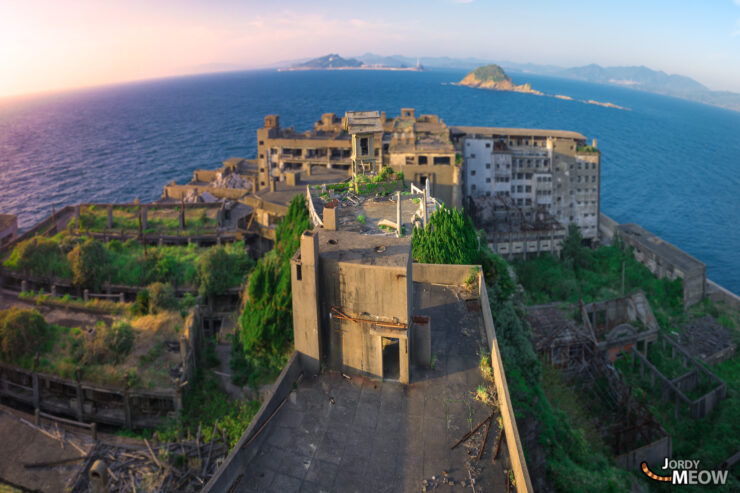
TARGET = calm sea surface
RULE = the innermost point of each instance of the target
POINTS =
(672, 166)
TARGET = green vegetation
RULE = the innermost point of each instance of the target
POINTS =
(163, 220)
(587, 149)
(89, 262)
(383, 183)
(432, 245)
(220, 268)
(361, 219)
(491, 72)
(67, 301)
(22, 332)
(573, 464)
(119, 353)
(266, 324)
(106, 344)
(711, 439)
(596, 275)
(203, 403)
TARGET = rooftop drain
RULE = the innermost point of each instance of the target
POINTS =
(332, 242)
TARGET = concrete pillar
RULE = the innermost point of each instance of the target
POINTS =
(398, 213)
(86, 295)
(144, 217)
(110, 216)
(675, 409)
(53, 290)
(183, 349)
(36, 390)
(330, 218)
(403, 354)
(24, 286)
(126, 410)
(305, 291)
(182, 215)
(425, 216)
(37, 416)
(80, 401)
(121, 298)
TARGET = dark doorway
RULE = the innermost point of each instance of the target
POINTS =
(391, 358)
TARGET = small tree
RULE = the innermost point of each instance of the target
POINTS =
(573, 250)
(161, 297)
(214, 272)
(449, 238)
(90, 264)
(21, 332)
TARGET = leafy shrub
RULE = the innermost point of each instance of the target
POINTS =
(22, 331)
(105, 344)
(161, 297)
(433, 245)
(90, 264)
(38, 256)
(141, 306)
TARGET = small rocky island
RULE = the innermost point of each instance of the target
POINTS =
(493, 77)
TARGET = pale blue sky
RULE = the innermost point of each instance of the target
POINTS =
(45, 44)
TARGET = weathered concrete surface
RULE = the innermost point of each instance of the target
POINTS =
(335, 434)
(22, 444)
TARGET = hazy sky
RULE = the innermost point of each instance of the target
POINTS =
(58, 44)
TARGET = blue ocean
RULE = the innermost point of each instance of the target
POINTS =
(671, 165)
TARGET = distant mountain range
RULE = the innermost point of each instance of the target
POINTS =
(327, 62)
(640, 78)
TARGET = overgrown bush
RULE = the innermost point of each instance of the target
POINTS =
(90, 264)
(106, 344)
(448, 238)
(266, 324)
(22, 332)
(161, 297)
(221, 268)
(39, 256)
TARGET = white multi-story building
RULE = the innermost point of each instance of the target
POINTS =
(551, 170)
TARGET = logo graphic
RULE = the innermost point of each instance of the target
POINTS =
(686, 472)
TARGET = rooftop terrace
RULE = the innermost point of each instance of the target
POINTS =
(357, 435)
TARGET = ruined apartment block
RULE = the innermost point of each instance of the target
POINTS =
(420, 147)
(550, 171)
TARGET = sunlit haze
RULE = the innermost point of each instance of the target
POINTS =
(51, 45)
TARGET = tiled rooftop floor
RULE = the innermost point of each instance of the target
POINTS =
(383, 436)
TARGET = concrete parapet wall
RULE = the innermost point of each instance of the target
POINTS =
(230, 475)
(179, 191)
(86, 402)
(717, 293)
(652, 453)
(513, 442)
(607, 227)
(443, 273)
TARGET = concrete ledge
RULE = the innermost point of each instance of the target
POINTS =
(513, 443)
(443, 273)
(231, 472)
(715, 292)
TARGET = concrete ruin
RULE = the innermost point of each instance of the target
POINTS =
(706, 339)
(621, 324)
(513, 231)
(666, 260)
(8, 229)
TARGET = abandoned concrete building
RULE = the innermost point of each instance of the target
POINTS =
(515, 231)
(418, 146)
(550, 170)
(8, 228)
(666, 260)
(620, 324)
